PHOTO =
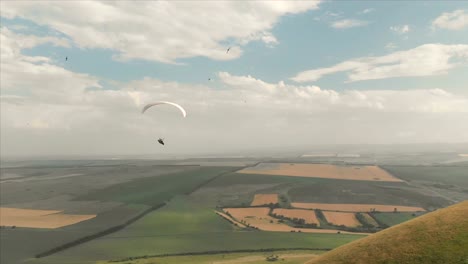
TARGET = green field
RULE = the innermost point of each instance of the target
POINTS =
(449, 175)
(155, 190)
(392, 219)
(286, 257)
(235, 189)
(183, 226)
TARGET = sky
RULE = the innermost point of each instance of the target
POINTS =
(297, 73)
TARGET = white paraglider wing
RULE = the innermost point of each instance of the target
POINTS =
(164, 102)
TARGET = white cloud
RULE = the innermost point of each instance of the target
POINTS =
(349, 23)
(160, 30)
(46, 109)
(109, 121)
(403, 29)
(455, 20)
(367, 11)
(425, 60)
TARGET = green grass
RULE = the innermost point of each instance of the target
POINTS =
(286, 257)
(392, 219)
(450, 175)
(155, 190)
(184, 226)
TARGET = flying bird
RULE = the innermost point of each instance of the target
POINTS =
(228, 49)
(66, 58)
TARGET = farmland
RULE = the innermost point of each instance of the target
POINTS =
(38, 218)
(392, 219)
(357, 207)
(192, 220)
(360, 173)
(264, 199)
(286, 257)
(185, 226)
(339, 218)
(308, 215)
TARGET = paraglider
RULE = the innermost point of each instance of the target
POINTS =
(161, 141)
(148, 106)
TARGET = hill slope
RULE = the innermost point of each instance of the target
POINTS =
(437, 237)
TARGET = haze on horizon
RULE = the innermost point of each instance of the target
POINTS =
(298, 73)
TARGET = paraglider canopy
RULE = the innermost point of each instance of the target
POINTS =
(164, 102)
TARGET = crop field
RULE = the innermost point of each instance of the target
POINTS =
(392, 219)
(184, 226)
(38, 218)
(155, 190)
(258, 217)
(286, 257)
(308, 215)
(369, 219)
(450, 175)
(339, 218)
(264, 199)
(357, 207)
(359, 173)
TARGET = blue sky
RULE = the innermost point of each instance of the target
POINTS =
(304, 42)
(361, 58)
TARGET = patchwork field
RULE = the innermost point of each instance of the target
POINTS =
(357, 207)
(258, 217)
(264, 199)
(39, 218)
(185, 226)
(339, 218)
(359, 173)
(308, 215)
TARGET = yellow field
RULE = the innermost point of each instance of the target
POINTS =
(38, 218)
(357, 207)
(258, 217)
(360, 173)
(264, 199)
(339, 218)
(308, 215)
(370, 220)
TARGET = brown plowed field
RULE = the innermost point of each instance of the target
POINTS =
(38, 218)
(264, 199)
(357, 207)
(308, 215)
(339, 218)
(360, 173)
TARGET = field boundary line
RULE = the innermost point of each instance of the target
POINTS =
(98, 234)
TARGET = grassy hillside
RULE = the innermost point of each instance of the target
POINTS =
(437, 237)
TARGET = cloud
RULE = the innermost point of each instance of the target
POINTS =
(48, 110)
(400, 29)
(424, 60)
(161, 30)
(391, 46)
(348, 23)
(455, 20)
(367, 11)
